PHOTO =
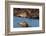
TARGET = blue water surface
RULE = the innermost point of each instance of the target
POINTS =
(31, 22)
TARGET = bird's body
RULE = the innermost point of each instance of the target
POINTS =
(23, 24)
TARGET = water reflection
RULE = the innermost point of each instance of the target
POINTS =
(31, 22)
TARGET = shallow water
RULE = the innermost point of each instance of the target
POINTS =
(31, 22)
